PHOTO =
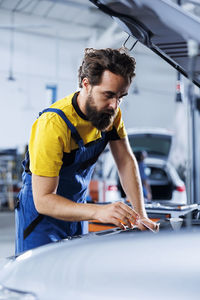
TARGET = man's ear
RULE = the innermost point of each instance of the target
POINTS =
(85, 83)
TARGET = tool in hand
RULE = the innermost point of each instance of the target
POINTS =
(153, 230)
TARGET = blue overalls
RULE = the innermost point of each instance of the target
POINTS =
(34, 229)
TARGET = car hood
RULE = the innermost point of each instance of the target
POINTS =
(122, 265)
(161, 25)
(156, 144)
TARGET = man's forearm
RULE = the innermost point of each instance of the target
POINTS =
(49, 203)
(131, 182)
(129, 173)
(62, 208)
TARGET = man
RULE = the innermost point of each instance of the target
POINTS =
(65, 143)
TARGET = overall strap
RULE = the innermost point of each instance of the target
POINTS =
(32, 226)
(74, 132)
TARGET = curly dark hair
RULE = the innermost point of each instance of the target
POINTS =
(96, 61)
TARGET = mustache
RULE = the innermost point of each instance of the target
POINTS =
(109, 112)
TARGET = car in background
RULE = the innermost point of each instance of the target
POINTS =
(166, 186)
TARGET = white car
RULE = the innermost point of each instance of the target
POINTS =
(166, 186)
(114, 265)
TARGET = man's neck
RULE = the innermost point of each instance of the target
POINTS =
(81, 100)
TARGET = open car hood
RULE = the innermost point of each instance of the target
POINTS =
(156, 143)
(161, 25)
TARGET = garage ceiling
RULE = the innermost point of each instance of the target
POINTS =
(65, 19)
(77, 19)
(76, 11)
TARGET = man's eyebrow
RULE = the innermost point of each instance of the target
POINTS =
(113, 94)
(109, 92)
(124, 95)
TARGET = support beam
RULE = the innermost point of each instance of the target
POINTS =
(87, 4)
(36, 25)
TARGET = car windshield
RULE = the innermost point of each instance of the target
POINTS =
(155, 173)
(152, 145)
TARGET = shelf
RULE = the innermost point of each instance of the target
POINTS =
(7, 182)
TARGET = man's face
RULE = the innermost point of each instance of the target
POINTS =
(103, 99)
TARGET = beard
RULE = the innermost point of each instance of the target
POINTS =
(101, 119)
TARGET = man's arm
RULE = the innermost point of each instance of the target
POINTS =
(129, 176)
(47, 202)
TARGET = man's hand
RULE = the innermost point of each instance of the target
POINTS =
(118, 214)
(123, 215)
(145, 224)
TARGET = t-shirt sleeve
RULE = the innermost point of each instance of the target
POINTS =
(118, 130)
(49, 138)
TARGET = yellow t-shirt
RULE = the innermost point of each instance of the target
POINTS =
(51, 137)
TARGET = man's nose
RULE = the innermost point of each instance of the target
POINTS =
(114, 103)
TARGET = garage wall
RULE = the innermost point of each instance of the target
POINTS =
(37, 61)
(154, 103)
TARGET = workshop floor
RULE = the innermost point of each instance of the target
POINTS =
(7, 234)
